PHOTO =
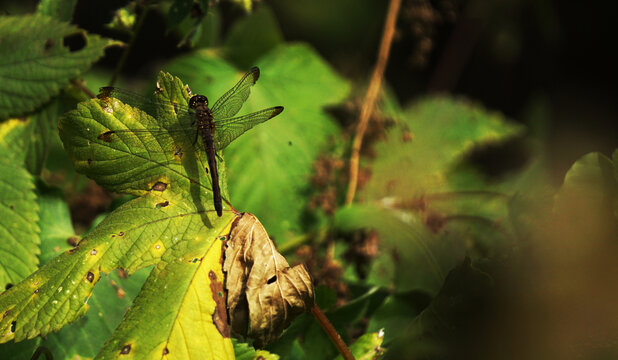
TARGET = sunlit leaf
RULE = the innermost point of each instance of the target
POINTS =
(272, 163)
(367, 347)
(169, 226)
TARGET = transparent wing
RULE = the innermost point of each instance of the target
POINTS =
(152, 135)
(230, 103)
(229, 129)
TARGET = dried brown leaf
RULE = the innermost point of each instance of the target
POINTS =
(264, 293)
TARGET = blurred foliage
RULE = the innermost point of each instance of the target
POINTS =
(484, 227)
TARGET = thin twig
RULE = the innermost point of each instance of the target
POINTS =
(332, 333)
(80, 85)
(127, 50)
(371, 96)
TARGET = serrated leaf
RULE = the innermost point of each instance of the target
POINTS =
(288, 145)
(243, 351)
(34, 62)
(367, 347)
(183, 317)
(171, 226)
(264, 293)
(19, 231)
(135, 163)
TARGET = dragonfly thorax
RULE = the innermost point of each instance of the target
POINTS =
(198, 102)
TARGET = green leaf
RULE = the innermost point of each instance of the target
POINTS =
(591, 181)
(58, 9)
(182, 317)
(19, 232)
(35, 63)
(252, 37)
(181, 307)
(269, 167)
(179, 10)
(433, 136)
(137, 163)
(109, 302)
(367, 347)
(243, 351)
(55, 222)
(422, 259)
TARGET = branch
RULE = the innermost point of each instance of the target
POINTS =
(371, 96)
(332, 333)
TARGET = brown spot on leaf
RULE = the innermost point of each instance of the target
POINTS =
(121, 233)
(219, 317)
(125, 349)
(165, 351)
(6, 313)
(106, 136)
(162, 204)
(8, 286)
(90, 277)
(73, 240)
(159, 186)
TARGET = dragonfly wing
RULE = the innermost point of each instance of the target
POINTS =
(230, 103)
(229, 129)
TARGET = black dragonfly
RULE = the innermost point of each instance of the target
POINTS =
(217, 125)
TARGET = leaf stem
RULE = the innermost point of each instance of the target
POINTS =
(331, 332)
(371, 96)
(127, 50)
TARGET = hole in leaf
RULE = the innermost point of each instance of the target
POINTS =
(74, 42)
(13, 326)
(194, 260)
(121, 233)
(165, 351)
(49, 43)
(36, 291)
(12, 207)
(93, 252)
(8, 286)
(178, 152)
(206, 169)
(272, 280)
(220, 293)
(159, 186)
(106, 136)
(162, 204)
(222, 238)
(90, 277)
(125, 350)
(89, 161)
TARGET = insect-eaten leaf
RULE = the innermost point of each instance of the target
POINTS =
(264, 292)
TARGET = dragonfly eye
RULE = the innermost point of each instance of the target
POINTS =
(198, 100)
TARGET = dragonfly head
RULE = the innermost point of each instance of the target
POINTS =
(198, 100)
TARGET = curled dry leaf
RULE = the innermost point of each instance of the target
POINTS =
(264, 292)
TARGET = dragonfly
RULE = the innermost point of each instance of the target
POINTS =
(217, 126)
